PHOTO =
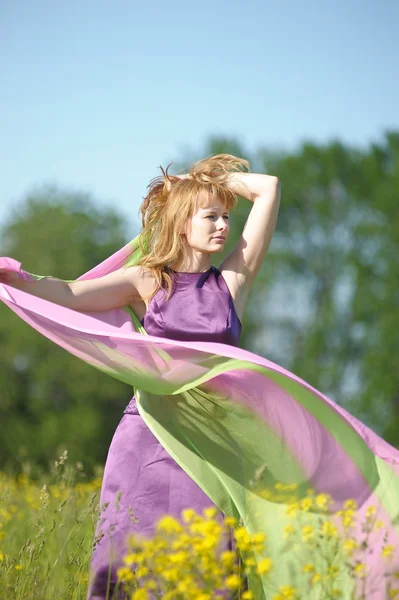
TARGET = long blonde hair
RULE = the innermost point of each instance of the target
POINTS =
(170, 202)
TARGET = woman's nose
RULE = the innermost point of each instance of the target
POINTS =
(221, 224)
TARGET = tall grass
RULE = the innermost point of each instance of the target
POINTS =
(46, 533)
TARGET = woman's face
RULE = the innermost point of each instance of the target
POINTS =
(208, 228)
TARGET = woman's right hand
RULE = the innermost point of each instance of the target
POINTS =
(9, 276)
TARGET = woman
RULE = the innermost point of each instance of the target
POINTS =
(209, 422)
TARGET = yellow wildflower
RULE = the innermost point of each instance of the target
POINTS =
(258, 538)
(179, 558)
(188, 515)
(315, 578)
(349, 546)
(323, 500)
(292, 509)
(150, 584)
(250, 562)
(233, 582)
(248, 595)
(307, 532)
(287, 592)
(288, 530)
(142, 571)
(140, 595)
(351, 504)
(329, 530)
(230, 521)
(1, 556)
(228, 558)
(210, 513)
(18, 567)
(169, 524)
(124, 574)
(308, 568)
(387, 550)
(264, 566)
(306, 504)
(171, 574)
(360, 570)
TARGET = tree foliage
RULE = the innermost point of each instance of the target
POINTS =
(49, 399)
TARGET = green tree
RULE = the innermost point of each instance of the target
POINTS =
(49, 399)
(326, 302)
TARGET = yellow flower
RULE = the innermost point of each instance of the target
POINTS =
(292, 509)
(171, 574)
(288, 530)
(228, 558)
(133, 557)
(379, 525)
(179, 558)
(142, 571)
(140, 595)
(360, 570)
(150, 584)
(169, 524)
(124, 574)
(1, 556)
(18, 567)
(243, 539)
(371, 511)
(258, 538)
(347, 517)
(307, 532)
(351, 504)
(315, 578)
(233, 582)
(248, 595)
(287, 592)
(329, 530)
(264, 566)
(250, 562)
(387, 550)
(306, 504)
(322, 501)
(230, 521)
(349, 546)
(188, 515)
(308, 568)
(210, 513)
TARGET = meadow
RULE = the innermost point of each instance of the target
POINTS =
(47, 525)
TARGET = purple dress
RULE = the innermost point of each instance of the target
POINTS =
(149, 481)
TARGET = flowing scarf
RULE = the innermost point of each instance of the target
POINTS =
(265, 446)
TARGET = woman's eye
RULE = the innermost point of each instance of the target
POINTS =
(212, 216)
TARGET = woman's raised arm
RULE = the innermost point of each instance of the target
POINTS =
(114, 290)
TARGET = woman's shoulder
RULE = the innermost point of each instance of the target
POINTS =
(144, 280)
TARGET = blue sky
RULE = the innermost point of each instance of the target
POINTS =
(95, 95)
